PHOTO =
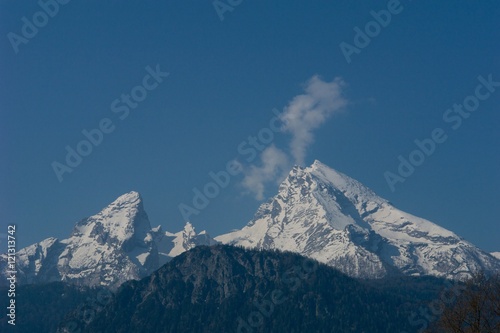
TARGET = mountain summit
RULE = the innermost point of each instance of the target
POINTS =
(318, 212)
(172, 244)
(112, 246)
(323, 214)
(109, 248)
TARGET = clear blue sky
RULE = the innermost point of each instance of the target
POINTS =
(225, 78)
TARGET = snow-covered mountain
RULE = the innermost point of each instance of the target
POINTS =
(326, 215)
(172, 244)
(318, 212)
(109, 248)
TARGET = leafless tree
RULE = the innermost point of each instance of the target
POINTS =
(475, 310)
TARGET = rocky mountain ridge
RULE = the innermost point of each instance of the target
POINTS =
(326, 215)
(318, 212)
(106, 249)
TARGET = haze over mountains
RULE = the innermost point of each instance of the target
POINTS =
(318, 212)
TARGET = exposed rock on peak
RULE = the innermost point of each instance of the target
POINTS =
(111, 247)
(326, 215)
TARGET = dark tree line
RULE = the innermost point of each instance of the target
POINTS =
(476, 308)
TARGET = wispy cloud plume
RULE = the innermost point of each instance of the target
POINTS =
(273, 164)
(303, 114)
(307, 112)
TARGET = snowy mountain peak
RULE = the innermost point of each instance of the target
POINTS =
(326, 215)
(349, 186)
(111, 247)
(132, 197)
(172, 244)
(129, 202)
(108, 248)
(318, 212)
(189, 229)
(121, 220)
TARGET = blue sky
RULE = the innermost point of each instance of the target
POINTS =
(225, 78)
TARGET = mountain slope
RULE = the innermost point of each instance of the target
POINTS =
(41, 307)
(109, 248)
(326, 215)
(229, 289)
(318, 212)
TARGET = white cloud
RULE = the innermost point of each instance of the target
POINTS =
(303, 114)
(274, 163)
(308, 111)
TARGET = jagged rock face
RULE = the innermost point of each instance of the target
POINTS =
(172, 244)
(38, 262)
(109, 248)
(326, 215)
(318, 212)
